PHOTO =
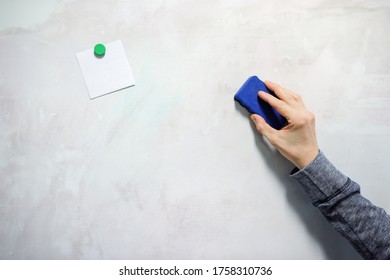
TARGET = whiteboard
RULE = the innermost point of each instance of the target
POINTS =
(173, 168)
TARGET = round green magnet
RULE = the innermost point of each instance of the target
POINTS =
(99, 50)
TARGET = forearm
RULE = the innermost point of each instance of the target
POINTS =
(366, 226)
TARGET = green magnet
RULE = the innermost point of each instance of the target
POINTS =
(99, 50)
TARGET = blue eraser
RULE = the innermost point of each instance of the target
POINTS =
(248, 97)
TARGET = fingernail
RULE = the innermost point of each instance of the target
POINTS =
(253, 118)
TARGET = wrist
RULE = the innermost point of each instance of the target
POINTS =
(304, 161)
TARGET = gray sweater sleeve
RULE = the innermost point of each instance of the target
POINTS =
(364, 225)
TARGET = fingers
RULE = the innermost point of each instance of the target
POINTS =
(278, 90)
(293, 94)
(283, 93)
(264, 128)
(278, 104)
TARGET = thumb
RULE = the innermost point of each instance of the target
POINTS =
(263, 127)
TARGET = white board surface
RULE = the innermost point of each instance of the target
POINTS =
(173, 168)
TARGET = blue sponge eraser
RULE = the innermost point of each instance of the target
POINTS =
(248, 97)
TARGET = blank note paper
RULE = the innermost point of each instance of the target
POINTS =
(106, 74)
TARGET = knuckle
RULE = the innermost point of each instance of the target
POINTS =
(311, 117)
(306, 118)
(259, 128)
(281, 105)
(301, 122)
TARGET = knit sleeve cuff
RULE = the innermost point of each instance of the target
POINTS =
(320, 179)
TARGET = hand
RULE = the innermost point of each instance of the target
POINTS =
(297, 140)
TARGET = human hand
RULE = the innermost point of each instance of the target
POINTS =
(296, 141)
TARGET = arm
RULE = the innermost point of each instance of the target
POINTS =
(363, 224)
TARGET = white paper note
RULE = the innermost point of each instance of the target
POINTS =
(106, 74)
